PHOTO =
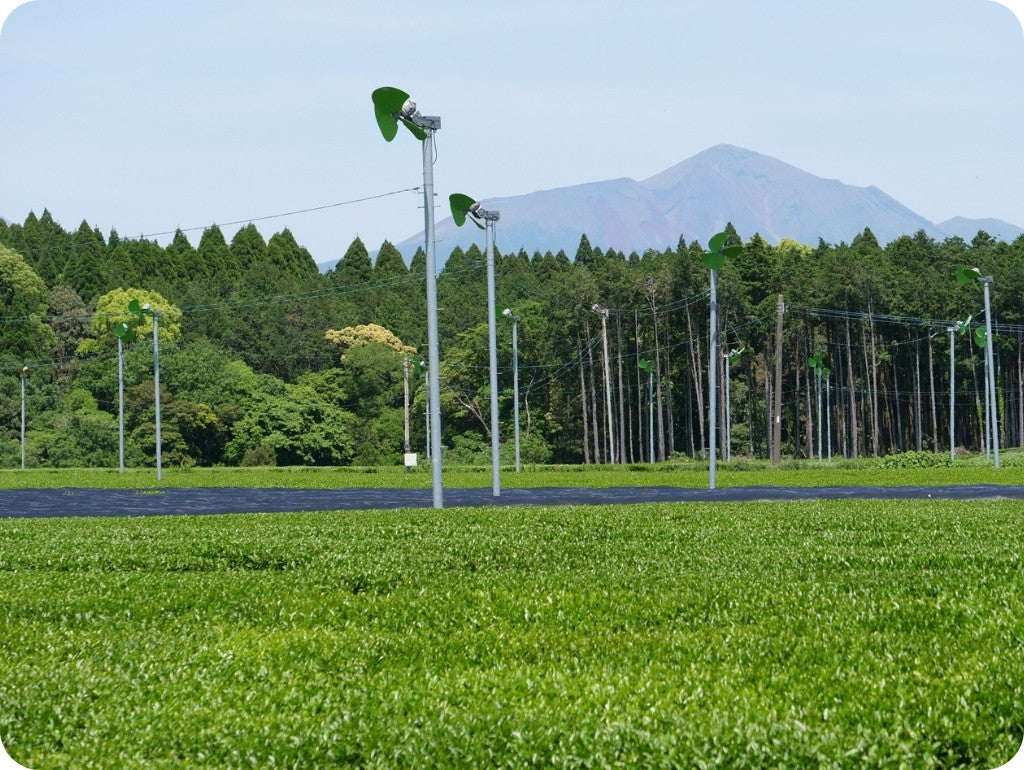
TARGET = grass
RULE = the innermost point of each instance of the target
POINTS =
(685, 473)
(818, 634)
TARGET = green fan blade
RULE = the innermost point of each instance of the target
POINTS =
(124, 332)
(134, 307)
(387, 102)
(980, 337)
(825, 372)
(732, 251)
(713, 259)
(718, 241)
(418, 132)
(460, 205)
(814, 361)
(967, 274)
(646, 365)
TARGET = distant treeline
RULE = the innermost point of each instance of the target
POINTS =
(248, 377)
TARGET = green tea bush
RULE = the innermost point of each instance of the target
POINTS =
(915, 460)
(816, 634)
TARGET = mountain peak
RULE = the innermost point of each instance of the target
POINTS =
(693, 200)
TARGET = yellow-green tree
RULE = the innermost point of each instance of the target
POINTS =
(367, 334)
(369, 384)
(112, 309)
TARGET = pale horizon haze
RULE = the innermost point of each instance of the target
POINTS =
(147, 117)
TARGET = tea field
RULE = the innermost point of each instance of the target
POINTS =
(814, 634)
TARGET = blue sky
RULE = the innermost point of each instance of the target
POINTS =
(150, 116)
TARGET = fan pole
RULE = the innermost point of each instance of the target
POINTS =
(650, 416)
(603, 312)
(713, 380)
(817, 382)
(828, 419)
(156, 387)
(515, 382)
(433, 355)
(24, 377)
(120, 405)
(952, 393)
(993, 419)
(492, 344)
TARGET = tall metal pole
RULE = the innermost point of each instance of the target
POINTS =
(492, 344)
(713, 380)
(650, 415)
(433, 354)
(990, 367)
(156, 388)
(828, 417)
(603, 312)
(817, 371)
(120, 405)
(426, 389)
(777, 416)
(405, 402)
(952, 393)
(24, 376)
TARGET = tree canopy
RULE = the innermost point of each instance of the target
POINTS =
(267, 360)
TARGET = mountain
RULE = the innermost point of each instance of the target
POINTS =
(968, 228)
(695, 199)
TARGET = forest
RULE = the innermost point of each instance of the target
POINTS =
(264, 360)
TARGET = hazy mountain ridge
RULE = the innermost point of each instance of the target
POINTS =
(695, 199)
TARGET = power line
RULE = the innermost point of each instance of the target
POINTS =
(249, 220)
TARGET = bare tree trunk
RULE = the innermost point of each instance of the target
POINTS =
(724, 450)
(751, 409)
(698, 388)
(874, 382)
(526, 407)
(689, 419)
(852, 395)
(899, 415)
(931, 385)
(670, 415)
(595, 405)
(583, 403)
(775, 413)
(622, 407)
(768, 395)
(657, 389)
(809, 382)
(979, 409)
(866, 402)
(639, 389)
(838, 407)
(1020, 389)
(918, 442)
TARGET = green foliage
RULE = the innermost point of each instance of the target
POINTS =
(264, 303)
(23, 302)
(300, 425)
(793, 635)
(915, 460)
